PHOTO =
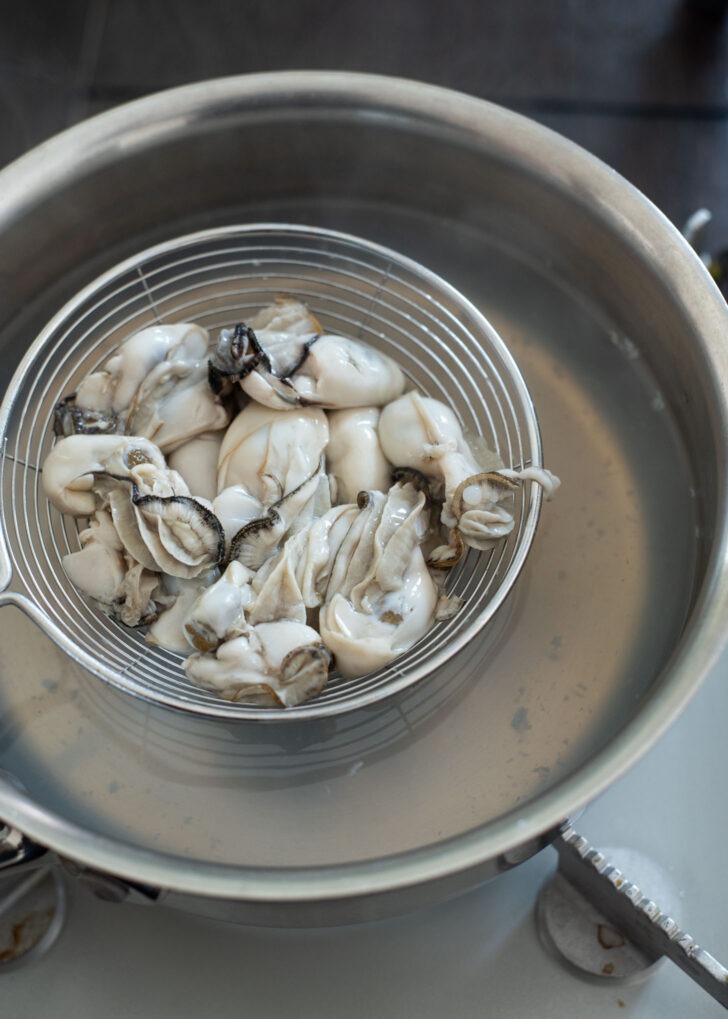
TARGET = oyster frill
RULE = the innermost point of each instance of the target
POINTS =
(380, 598)
(154, 386)
(421, 433)
(278, 664)
(283, 359)
(145, 522)
(273, 506)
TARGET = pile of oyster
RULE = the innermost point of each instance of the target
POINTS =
(271, 502)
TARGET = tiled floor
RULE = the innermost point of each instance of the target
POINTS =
(643, 85)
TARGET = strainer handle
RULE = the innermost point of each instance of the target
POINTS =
(6, 566)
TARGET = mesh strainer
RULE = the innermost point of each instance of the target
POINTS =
(216, 278)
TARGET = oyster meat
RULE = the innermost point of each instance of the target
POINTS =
(271, 452)
(354, 453)
(154, 386)
(272, 506)
(168, 629)
(279, 664)
(257, 540)
(419, 432)
(102, 569)
(282, 359)
(218, 612)
(380, 598)
(196, 460)
(157, 523)
(71, 467)
(295, 579)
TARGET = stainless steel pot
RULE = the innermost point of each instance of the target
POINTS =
(618, 616)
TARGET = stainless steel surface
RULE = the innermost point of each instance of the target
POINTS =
(479, 952)
(620, 610)
(606, 926)
(16, 849)
(216, 279)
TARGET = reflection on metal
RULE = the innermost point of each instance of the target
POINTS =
(525, 850)
(112, 889)
(716, 262)
(16, 849)
(601, 924)
(282, 756)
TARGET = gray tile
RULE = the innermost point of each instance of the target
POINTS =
(641, 85)
(40, 46)
(679, 164)
(655, 52)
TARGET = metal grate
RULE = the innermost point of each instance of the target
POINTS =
(215, 278)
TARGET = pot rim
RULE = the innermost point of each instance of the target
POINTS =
(102, 138)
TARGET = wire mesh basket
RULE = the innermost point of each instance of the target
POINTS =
(444, 345)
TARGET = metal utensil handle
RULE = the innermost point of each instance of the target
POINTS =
(641, 920)
(16, 848)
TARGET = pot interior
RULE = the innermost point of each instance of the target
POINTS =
(627, 405)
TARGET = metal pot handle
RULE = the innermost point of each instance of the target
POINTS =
(10, 596)
(17, 849)
(635, 916)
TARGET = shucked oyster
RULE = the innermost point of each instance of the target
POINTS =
(235, 507)
(292, 500)
(269, 476)
(380, 596)
(158, 524)
(218, 612)
(161, 525)
(196, 460)
(270, 452)
(422, 433)
(354, 456)
(279, 664)
(295, 579)
(70, 469)
(168, 629)
(283, 359)
(154, 386)
(257, 540)
(104, 571)
(99, 567)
